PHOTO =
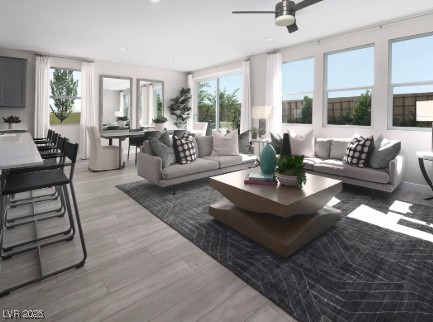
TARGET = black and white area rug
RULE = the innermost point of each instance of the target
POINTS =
(376, 264)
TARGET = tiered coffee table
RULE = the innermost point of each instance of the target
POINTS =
(278, 217)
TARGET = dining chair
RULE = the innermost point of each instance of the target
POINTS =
(136, 141)
(199, 128)
(179, 133)
(46, 139)
(101, 157)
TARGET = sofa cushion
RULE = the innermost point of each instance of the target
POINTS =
(310, 162)
(276, 142)
(322, 148)
(358, 151)
(225, 144)
(384, 151)
(146, 148)
(366, 174)
(204, 145)
(225, 160)
(338, 148)
(162, 151)
(330, 166)
(244, 142)
(181, 170)
(248, 158)
(184, 149)
(302, 144)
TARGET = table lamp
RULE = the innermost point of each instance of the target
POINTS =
(424, 113)
(262, 113)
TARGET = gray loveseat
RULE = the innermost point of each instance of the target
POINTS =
(328, 162)
(150, 168)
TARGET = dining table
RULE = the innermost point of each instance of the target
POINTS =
(17, 150)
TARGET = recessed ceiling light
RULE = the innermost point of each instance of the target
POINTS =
(122, 48)
(170, 57)
(269, 39)
(155, 1)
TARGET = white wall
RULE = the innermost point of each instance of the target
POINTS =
(412, 141)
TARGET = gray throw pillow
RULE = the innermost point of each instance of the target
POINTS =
(384, 153)
(322, 148)
(244, 142)
(163, 151)
(166, 139)
(276, 142)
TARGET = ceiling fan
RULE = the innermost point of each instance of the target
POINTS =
(285, 12)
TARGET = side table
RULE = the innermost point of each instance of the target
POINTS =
(425, 156)
(260, 143)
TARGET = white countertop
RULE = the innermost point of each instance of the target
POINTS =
(18, 150)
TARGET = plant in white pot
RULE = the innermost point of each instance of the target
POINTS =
(159, 122)
(11, 120)
(121, 120)
(290, 171)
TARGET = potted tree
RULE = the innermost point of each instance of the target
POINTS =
(180, 108)
(254, 133)
(11, 120)
(290, 171)
(121, 120)
(159, 122)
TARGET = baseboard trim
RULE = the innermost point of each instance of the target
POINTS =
(415, 187)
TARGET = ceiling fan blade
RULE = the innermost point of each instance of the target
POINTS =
(242, 12)
(292, 28)
(304, 4)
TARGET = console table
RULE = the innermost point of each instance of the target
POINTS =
(425, 156)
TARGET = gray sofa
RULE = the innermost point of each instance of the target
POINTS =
(150, 168)
(328, 162)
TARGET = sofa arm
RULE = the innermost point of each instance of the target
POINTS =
(396, 168)
(149, 167)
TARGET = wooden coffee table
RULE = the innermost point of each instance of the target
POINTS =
(280, 218)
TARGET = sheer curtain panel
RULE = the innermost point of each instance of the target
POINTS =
(274, 90)
(246, 98)
(88, 107)
(190, 123)
(42, 96)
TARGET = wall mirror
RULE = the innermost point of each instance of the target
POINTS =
(115, 102)
(150, 101)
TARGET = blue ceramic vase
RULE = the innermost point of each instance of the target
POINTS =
(268, 159)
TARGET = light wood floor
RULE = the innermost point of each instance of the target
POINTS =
(138, 268)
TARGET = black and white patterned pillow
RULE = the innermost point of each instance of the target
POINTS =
(184, 149)
(358, 151)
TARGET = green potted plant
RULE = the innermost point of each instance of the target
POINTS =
(290, 171)
(121, 120)
(159, 122)
(12, 120)
(254, 133)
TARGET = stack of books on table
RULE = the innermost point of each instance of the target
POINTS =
(260, 178)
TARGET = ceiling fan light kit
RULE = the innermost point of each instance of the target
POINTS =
(285, 11)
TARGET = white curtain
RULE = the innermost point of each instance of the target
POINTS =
(121, 106)
(88, 107)
(246, 98)
(190, 123)
(274, 91)
(143, 115)
(42, 96)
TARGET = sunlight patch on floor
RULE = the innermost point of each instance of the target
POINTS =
(334, 201)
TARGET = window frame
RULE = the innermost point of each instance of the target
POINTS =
(392, 85)
(65, 97)
(326, 90)
(216, 76)
(312, 91)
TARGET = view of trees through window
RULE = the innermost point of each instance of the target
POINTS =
(298, 85)
(219, 101)
(65, 98)
(350, 79)
(412, 79)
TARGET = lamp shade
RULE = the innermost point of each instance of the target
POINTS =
(118, 113)
(424, 111)
(262, 112)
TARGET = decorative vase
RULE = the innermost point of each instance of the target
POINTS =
(268, 159)
(11, 126)
(121, 123)
(287, 180)
(160, 126)
(285, 146)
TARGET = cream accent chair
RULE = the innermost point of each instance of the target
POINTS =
(199, 128)
(101, 157)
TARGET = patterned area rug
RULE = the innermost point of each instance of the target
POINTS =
(376, 264)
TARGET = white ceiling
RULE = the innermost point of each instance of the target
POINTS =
(198, 33)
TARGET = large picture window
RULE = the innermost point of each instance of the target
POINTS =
(65, 98)
(349, 86)
(219, 101)
(298, 85)
(411, 79)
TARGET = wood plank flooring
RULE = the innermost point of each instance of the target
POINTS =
(138, 269)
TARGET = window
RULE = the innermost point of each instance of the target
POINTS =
(411, 79)
(298, 85)
(349, 84)
(65, 99)
(219, 101)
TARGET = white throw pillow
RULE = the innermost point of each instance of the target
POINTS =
(302, 144)
(225, 144)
